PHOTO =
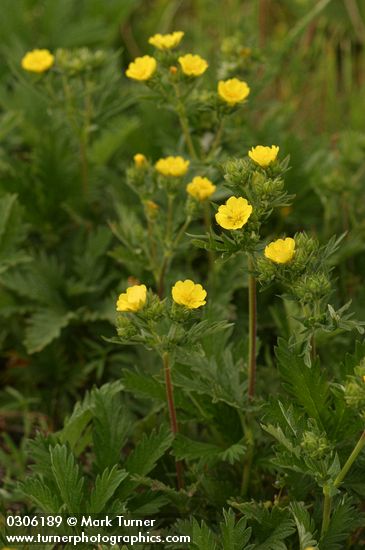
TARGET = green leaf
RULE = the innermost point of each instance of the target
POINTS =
(105, 487)
(202, 537)
(343, 521)
(43, 496)
(235, 536)
(12, 232)
(187, 449)
(305, 525)
(44, 326)
(111, 425)
(68, 478)
(143, 458)
(307, 385)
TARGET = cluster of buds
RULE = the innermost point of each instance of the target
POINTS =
(314, 445)
(81, 60)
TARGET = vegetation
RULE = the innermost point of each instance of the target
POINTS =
(181, 254)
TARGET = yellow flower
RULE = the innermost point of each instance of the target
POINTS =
(234, 214)
(172, 166)
(133, 299)
(263, 155)
(233, 91)
(187, 293)
(193, 65)
(38, 61)
(200, 188)
(166, 41)
(139, 160)
(142, 68)
(281, 251)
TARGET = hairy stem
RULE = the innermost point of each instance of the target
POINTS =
(172, 413)
(327, 502)
(327, 505)
(252, 312)
(351, 459)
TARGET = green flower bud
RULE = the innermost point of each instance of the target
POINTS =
(126, 329)
(309, 288)
(355, 394)
(314, 446)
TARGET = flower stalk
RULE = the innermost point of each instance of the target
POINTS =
(172, 413)
(252, 312)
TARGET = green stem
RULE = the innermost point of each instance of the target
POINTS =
(252, 312)
(184, 123)
(327, 505)
(327, 502)
(351, 459)
(172, 413)
(246, 474)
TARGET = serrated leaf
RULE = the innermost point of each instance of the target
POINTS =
(68, 478)
(235, 536)
(306, 384)
(111, 425)
(105, 487)
(37, 490)
(202, 537)
(143, 458)
(44, 326)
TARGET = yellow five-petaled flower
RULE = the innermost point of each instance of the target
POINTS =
(133, 299)
(281, 251)
(187, 293)
(200, 188)
(192, 65)
(263, 155)
(166, 41)
(142, 68)
(233, 91)
(234, 214)
(172, 166)
(38, 61)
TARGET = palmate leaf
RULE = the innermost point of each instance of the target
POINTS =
(306, 384)
(143, 458)
(235, 536)
(12, 232)
(44, 326)
(111, 425)
(67, 476)
(270, 526)
(73, 431)
(344, 520)
(185, 448)
(105, 487)
(305, 525)
(202, 537)
(41, 494)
